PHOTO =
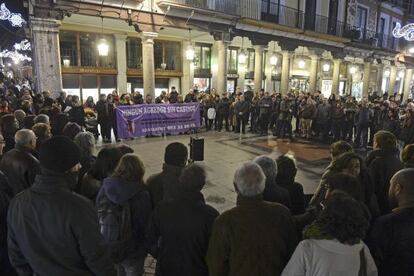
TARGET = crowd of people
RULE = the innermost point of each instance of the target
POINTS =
(305, 115)
(65, 210)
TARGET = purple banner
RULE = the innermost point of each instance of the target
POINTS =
(156, 119)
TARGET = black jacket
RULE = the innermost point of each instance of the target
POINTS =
(241, 108)
(105, 111)
(6, 195)
(381, 166)
(77, 115)
(164, 184)
(391, 243)
(53, 231)
(179, 233)
(275, 193)
(297, 197)
(20, 167)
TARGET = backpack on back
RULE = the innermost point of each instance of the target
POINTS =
(115, 225)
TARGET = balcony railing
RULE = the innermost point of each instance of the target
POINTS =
(231, 7)
(272, 11)
(287, 16)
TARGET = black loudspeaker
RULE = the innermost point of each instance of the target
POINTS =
(196, 149)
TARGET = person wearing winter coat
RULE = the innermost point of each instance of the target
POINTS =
(323, 117)
(164, 185)
(51, 230)
(223, 112)
(180, 228)
(254, 238)
(392, 236)
(382, 163)
(241, 110)
(333, 243)
(20, 165)
(126, 189)
(362, 121)
(76, 113)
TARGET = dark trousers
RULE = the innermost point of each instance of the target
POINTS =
(284, 128)
(362, 136)
(264, 123)
(337, 130)
(241, 122)
(348, 131)
(322, 128)
(106, 129)
(223, 117)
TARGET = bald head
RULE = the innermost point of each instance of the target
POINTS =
(402, 188)
(405, 179)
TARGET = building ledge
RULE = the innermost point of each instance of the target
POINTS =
(283, 28)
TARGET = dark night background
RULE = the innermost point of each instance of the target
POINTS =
(8, 34)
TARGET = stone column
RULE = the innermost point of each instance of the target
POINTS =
(222, 66)
(258, 67)
(284, 78)
(268, 73)
(393, 77)
(366, 78)
(148, 67)
(378, 85)
(121, 63)
(313, 74)
(46, 55)
(188, 72)
(335, 76)
(407, 84)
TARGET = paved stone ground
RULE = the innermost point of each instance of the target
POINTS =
(224, 152)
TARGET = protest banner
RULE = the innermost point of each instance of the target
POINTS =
(157, 119)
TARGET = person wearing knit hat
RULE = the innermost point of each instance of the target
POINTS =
(59, 154)
(53, 231)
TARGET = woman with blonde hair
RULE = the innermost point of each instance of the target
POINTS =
(124, 206)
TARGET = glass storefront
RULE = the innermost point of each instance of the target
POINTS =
(88, 85)
(202, 84)
(134, 52)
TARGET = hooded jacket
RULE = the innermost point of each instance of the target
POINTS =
(329, 258)
(138, 197)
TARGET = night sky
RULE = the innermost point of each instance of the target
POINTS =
(8, 34)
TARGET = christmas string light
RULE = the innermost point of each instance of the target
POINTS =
(15, 19)
(15, 56)
(407, 31)
(23, 45)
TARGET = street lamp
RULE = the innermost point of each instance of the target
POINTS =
(353, 69)
(326, 67)
(103, 46)
(242, 54)
(189, 52)
(66, 62)
(273, 59)
(301, 63)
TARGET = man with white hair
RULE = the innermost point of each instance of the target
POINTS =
(20, 164)
(255, 237)
(272, 191)
(42, 118)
